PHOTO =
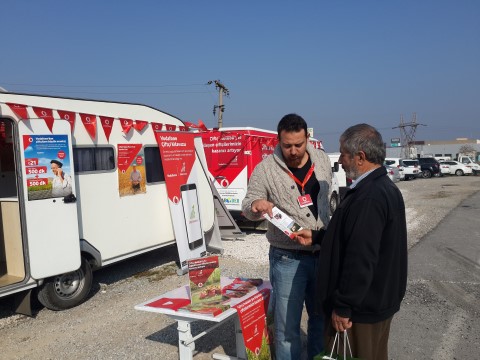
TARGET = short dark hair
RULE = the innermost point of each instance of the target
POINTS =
(56, 162)
(292, 123)
(364, 137)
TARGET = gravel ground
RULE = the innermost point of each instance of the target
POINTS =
(107, 327)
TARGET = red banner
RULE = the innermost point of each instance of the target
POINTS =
(170, 127)
(139, 125)
(45, 114)
(177, 151)
(19, 110)
(252, 314)
(157, 127)
(126, 155)
(107, 123)
(69, 116)
(90, 123)
(127, 125)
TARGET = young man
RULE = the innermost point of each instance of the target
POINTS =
(296, 178)
(362, 275)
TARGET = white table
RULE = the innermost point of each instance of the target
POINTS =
(186, 342)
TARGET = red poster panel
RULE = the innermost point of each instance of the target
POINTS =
(177, 151)
(261, 148)
(253, 320)
(225, 154)
(131, 170)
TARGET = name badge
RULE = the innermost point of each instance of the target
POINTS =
(304, 200)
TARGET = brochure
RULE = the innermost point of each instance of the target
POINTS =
(204, 275)
(283, 222)
(207, 308)
(240, 287)
(169, 303)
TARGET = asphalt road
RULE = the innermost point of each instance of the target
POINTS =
(440, 315)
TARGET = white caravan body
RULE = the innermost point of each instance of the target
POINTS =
(53, 243)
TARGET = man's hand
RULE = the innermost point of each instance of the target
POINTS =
(303, 237)
(340, 323)
(262, 206)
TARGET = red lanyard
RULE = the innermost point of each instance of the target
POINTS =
(307, 177)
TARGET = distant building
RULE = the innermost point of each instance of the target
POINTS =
(437, 148)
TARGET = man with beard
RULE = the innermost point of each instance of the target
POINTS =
(363, 259)
(296, 178)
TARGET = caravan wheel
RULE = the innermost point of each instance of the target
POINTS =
(67, 290)
(333, 203)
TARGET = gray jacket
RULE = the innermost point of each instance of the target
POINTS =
(270, 181)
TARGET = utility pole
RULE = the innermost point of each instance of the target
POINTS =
(407, 136)
(222, 90)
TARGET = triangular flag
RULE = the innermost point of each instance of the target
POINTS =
(183, 128)
(127, 124)
(19, 110)
(170, 127)
(107, 123)
(45, 114)
(140, 125)
(69, 116)
(201, 125)
(90, 123)
(156, 127)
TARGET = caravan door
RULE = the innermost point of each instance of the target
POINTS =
(50, 198)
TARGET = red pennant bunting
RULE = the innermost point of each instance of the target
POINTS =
(69, 116)
(156, 127)
(183, 128)
(19, 110)
(45, 114)
(170, 127)
(107, 123)
(140, 125)
(201, 125)
(90, 123)
(127, 124)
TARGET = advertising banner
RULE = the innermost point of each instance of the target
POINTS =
(253, 320)
(47, 166)
(131, 169)
(177, 151)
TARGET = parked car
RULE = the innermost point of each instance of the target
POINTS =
(457, 168)
(444, 168)
(429, 167)
(396, 162)
(411, 168)
(393, 173)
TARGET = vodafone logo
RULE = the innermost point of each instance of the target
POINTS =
(176, 200)
(224, 183)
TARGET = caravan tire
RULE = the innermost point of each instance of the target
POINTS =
(67, 290)
(333, 203)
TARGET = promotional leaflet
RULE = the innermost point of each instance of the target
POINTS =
(283, 222)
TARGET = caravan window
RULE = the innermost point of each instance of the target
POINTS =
(89, 159)
(153, 165)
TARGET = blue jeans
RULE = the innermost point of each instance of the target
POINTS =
(292, 276)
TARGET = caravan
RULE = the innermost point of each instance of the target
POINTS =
(82, 185)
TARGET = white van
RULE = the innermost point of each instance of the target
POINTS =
(53, 240)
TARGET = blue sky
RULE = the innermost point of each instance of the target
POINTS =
(336, 63)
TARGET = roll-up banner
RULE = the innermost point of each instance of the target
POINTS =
(177, 151)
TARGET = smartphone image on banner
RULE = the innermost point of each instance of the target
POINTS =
(191, 213)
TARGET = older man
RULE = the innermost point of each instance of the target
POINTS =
(363, 262)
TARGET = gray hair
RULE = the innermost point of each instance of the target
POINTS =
(363, 137)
